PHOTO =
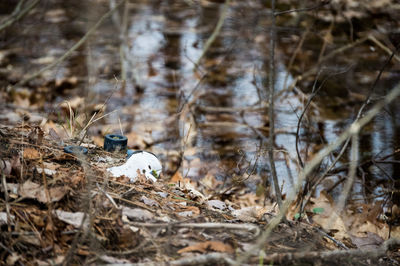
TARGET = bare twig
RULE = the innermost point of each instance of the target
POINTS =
(108, 197)
(86, 225)
(313, 94)
(94, 117)
(309, 101)
(359, 114)
(17, 14)
(271, 108)
(352, 172)
(4, 184)
(352, 130)
(294, 55)
(49, 202)
(216, 31)
(6, 248)
(301, 9)
(312, 70)
(247, 227)
(221, 109)
(334, 254)
(206, 259)
(334, 240)
(383, 47)
(326, 39)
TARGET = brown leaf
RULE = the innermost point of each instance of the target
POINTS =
(250, 214)
(36, 136)
(210, 181)
(216, 205)
(72, 218)
(148, 202)
(31, 154)
(30, 239)
(208, 246)
(34, 191)
(330, 219)
(48, 168)
(370, 241)
(99, 141)
(141, 178)
(127, 237)
(136, 141)
(176, 178)
(5, 167)
(56, 132)
(137, 214)
(9, 165)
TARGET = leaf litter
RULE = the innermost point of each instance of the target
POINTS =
(145, 221)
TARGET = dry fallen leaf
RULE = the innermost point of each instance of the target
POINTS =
(36, 136)
(137, 214)
(114, 260)
(30, 239)
(185, 214)
(35, 191)
(250, 214)
(328, 218)
(148, 202)
(217, 205)
(176, 178)
(5, 167)
(127, 237)
(4, 218)
(136, 141)
(31, 154)
(72, 218)
(193, 192)
(208, 246)
(210, 181)
(49, 168)
(370, 241)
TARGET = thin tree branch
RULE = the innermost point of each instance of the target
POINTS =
(18, 14)
(301, 9)
(334, 254)
(355, 146)
(216, 31)
(73, 48)
(352, 130)
(271, 108)
(360, 112)
(312, 70)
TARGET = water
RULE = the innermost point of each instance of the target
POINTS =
(171, 106)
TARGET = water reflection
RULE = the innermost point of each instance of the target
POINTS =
(164, 44)
(227, 115)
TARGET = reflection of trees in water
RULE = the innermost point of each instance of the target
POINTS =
(394, 144)
(171, 53)
(219, 93)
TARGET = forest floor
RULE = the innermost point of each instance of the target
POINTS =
(59, 208)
